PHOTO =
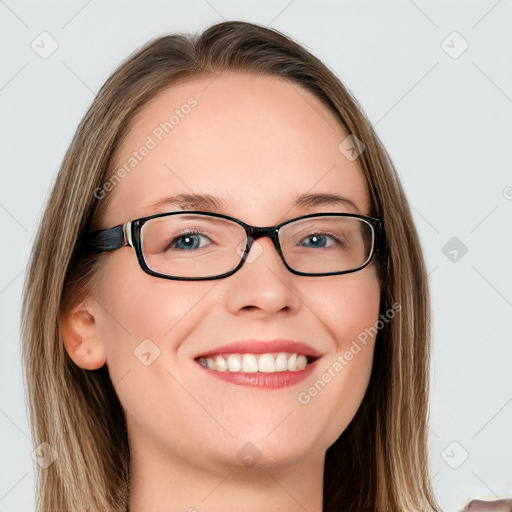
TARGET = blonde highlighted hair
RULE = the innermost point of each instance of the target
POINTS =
(380, 462)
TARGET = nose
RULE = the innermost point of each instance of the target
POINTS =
(263, 282)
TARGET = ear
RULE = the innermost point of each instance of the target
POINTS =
(80, 334)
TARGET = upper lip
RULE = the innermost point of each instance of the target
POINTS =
(264, 347)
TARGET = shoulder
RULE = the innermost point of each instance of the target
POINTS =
(504, 505)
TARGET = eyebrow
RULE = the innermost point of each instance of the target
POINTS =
(208, 202)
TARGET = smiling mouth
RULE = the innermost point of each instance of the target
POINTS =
(257, 363)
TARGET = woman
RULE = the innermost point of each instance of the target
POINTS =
(178, 358)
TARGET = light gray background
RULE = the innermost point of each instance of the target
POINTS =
(445, 118)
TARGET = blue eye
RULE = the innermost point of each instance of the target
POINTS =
(191, 240)
(319, 238)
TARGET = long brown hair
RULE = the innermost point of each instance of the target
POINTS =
(380, 462)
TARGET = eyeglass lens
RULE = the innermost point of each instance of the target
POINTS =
(191, 245)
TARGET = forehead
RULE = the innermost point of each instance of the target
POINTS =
(254, 141)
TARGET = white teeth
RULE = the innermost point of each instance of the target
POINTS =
(220, 364)
(252, 363)
(301, 362)
(281, 363)
(234, 363)
(249, 363)
(267, 363)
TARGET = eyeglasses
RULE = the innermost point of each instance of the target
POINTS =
(198, 245)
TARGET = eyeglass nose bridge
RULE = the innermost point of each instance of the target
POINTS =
(253, 233)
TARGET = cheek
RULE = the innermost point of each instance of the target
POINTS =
(349, 311)
(348, 305)
(141, 315)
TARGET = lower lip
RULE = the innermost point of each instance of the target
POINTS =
(263, 380)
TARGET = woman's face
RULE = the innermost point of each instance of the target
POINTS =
(255, 143)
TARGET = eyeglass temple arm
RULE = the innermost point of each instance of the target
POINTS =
(106, 240)
(382, 238)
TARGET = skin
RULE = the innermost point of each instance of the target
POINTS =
(256, 142)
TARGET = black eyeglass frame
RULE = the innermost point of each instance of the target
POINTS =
(111, 239)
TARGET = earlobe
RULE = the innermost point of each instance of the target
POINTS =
(81, 340)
